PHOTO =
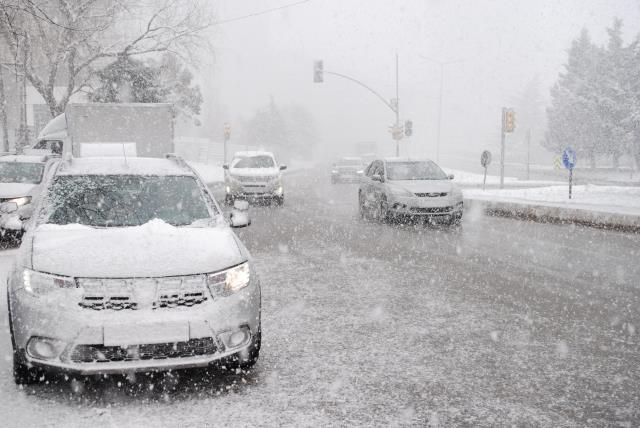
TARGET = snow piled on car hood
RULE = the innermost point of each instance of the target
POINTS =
(15, 190)
(153, 249)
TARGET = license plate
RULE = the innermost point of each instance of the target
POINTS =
(136, 334)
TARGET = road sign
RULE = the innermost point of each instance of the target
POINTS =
(557, 162)
(227, 131)
(569, 158)
(485, 158)
(397, 132)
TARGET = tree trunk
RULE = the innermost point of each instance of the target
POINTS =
(3, 115)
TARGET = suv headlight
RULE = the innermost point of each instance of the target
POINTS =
(39, 283)
(21, 201)
(229, 281)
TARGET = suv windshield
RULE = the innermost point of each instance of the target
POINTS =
(123, 200)
(21, 172)
(418, 170)
(255, 162)
(349, 162)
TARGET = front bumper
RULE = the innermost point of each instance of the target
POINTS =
(12, 221)
(254, 190)
(120, 341)
(419, 206)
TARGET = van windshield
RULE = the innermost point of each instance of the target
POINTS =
(125, 200)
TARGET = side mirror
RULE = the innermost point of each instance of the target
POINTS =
(8, 207)
(283, 167)
(225, 166)
(239, 216)
(450, 176)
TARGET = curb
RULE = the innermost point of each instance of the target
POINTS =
(557, 214)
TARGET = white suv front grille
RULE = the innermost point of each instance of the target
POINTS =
(141, 293)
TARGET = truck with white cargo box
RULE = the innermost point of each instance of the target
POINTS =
(110, 129)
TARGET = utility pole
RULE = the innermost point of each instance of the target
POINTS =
(397, 110)
(528, 152)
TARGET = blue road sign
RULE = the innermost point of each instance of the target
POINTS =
(569, 158)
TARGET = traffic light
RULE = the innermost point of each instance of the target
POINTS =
(408, 128)
(227, 131)
(509, 120)
(318, 76)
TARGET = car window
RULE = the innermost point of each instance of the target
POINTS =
(21, 172)
(414, 170)
(253, 162)
(123, 200)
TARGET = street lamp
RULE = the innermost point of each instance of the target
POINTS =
(394, 105)
(442, 64)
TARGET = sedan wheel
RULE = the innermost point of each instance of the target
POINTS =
(382, 213)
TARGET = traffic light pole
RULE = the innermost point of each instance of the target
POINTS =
(504, 112)
(395, 109)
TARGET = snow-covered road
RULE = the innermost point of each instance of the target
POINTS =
(501, 322)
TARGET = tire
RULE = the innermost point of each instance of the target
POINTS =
(237, 361)
(361, 209)
(22, 373)
(382, 213)
(455, 220)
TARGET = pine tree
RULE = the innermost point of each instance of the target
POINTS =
(573, 117)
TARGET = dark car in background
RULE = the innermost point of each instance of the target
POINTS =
(347, 170)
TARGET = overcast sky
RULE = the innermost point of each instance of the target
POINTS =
(502, 45)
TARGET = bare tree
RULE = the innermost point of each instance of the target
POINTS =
(61, 43)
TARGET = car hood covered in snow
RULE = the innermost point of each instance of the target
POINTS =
(424, 186)
(153, 249)
(15, 190)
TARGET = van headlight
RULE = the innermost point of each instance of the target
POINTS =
(39, 283)
(229, 281)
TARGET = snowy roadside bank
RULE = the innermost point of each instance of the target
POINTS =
(612, 207)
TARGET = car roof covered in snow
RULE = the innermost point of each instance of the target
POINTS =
(249, 154)
(122, 166)
(389, 160)
(24, 158)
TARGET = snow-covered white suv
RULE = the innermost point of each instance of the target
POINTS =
(393, 188)
(129, 265)
(254, 176)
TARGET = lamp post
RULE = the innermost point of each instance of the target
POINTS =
(442, 64)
